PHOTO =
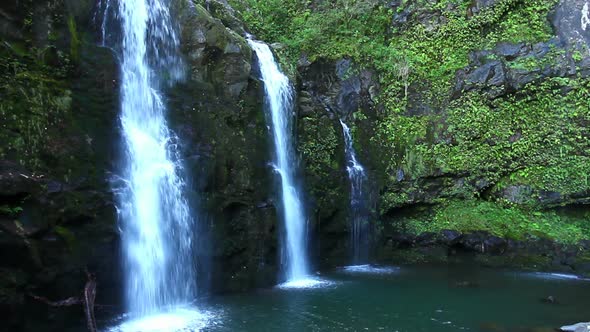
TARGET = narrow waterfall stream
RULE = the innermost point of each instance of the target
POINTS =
(359, 235)
(279, 101)
(156, 220)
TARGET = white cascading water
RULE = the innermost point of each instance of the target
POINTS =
(156, 221)
(358, 204)
(279, 100)
(585, 20)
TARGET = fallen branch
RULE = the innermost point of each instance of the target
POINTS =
(87, 299)
(63, 303)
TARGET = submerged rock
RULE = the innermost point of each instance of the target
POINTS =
(550, 299)
(466, 284)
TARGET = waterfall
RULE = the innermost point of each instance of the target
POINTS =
(357, 176)
(156, 221)
(279, 101)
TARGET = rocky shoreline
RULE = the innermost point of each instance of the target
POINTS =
(487, 250)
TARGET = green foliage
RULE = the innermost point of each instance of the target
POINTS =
(538, 137)
(329, 30)
(74, 39)
(507, 222)
(34, 101)
(67, 236)
(431, 49)
(10, 210)
(570, 175)
(319, 146)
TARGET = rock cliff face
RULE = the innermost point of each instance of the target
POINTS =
(218, 113)
(60, 148)
(59, 111)
(486, 138)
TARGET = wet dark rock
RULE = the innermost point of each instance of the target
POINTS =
(570, 22)
(554, 58)
(492, 73)
(466, 284)
(54, 187)
(479, 5)
(16, 180)
(549, 197)
(327, 92)
(347, 100)
(448, 237)
(400, 17)
(517, 194)
(221, 9)
(9, 28)
(218, 56)
(481, 242)
(400, 175)
(426, 239)
(480, 57)
(583, 268)
(512, 51)
(343, 68)
(490, 78)
(402, 240)
(550, 300)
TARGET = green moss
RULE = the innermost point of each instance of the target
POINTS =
(68, 237)
(536, 137)
(9, 210)
(475, 136)
(569, 175)
(506, 222)
(35, 102)
(319, 144)
(74, 39)
(429, 50)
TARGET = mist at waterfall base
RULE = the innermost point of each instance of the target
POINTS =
(156, 221)
(360, 230)
(279, 111)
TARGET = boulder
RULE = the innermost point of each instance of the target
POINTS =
(518, 194)
(219, 57)
(481, 242)
(490, 78)
(479, 5)
(571, 22)
(15, 180)
(512, 51)
(449, 236)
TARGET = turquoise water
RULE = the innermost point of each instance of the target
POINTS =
(411, 300)
(407, 299)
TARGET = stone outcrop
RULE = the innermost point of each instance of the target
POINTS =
(57, 211)
(328, 92)
(334, 89)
